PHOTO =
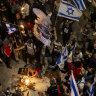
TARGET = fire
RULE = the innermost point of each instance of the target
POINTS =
(27, 81)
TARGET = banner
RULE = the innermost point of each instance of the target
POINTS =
(42, 27)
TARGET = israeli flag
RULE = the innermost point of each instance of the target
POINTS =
(69, 11)
(62, 58)
(80, 4)
(91, 90)
(73, 47)
(74, 88)
(11, 30)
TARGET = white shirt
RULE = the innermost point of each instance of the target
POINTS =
(78, 57)
(30, 50)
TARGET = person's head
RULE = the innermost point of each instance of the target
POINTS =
(58, 1)
(20, 41)
(2, 4)
(29, 43)
(95, 41)
(88, 25)
(94, 55)
(48, 11)
(77, 50)
(28, 21)
(89, 83)
(72, 42)
(17, 16)
(77, 64)
(24, 2)
(67, 24)
(4, 18)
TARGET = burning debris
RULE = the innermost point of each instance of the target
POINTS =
(38, 84)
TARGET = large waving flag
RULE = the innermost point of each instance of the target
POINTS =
(74, 88)
(80, 4)
(62, 58)
(91, 90)
(69, 11)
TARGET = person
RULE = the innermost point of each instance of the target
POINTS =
(56, 5)
(94, 47)
(69, 61)
(30, 50)
(86, 91)
(1, 55)
(77, 69)
(92, 63)
(77, 55)
(3, 9)
(17, 19)
(25, 7)
(7, 54)
(16, 53)
(47, 57)
(67, 30)
(56, 89)
(86, 35)
(4, 29)
(30, 27)
(57, 47)
(14, 8)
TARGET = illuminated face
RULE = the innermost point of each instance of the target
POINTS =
(4, 19)
(29, 44)
(88, 84)
(2, 4)
(95, 55)
(17, 16)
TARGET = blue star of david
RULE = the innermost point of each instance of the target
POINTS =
(70, 11)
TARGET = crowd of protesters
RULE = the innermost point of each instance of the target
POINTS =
(22, 44)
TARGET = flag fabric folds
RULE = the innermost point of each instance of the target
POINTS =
(80, 4)
(62, 58)
(74, 88)
(11, 28)
(69, 11)
(73, 47)
(91, 90)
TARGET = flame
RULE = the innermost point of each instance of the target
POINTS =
(27, 81)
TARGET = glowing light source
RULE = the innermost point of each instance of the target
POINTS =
(27, 81)
(22, 26)
(22, 10)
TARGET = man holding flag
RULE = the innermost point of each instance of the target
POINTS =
(90, 88)
(62, 58)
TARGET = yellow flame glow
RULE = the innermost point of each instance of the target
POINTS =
(26, 81)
